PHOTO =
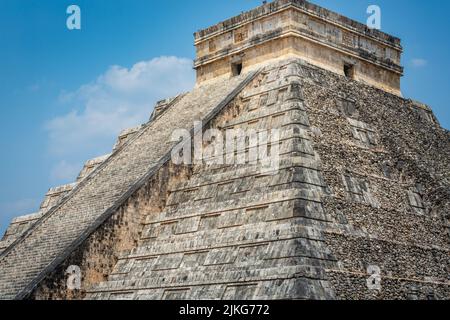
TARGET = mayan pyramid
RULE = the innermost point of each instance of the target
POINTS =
(358, 207)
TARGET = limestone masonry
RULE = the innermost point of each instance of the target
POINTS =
(359, 208)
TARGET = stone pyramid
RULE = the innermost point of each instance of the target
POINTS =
(358, 207)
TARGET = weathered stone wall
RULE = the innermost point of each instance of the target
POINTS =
(395, 215)
(99, 254)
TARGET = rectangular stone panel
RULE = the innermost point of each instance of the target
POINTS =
(168, 262)
(212, 292)
(188, 225)
(151, 231)
(280, 211)
(231, 219)
(206, 192)
(123, 266)
(239, 292)
(143, 266)
(310, 176)
(122, 296)
(221, 256)
(180, 294)
(209, 222)
(149, 294)
(251, 255)
(309, 209)
(273, 94)
(167, 229)
(194, 259)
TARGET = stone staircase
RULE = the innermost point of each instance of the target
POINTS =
(42, 247)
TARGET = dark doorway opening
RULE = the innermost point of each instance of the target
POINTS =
(236, 68)
(349, 70)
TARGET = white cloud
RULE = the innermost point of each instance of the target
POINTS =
(65, 171)
(118, 99)
(418, 62)
(34, 88)
(9, 210)
(21, 206)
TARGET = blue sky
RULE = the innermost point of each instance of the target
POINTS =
(65, 95)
